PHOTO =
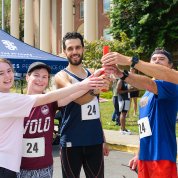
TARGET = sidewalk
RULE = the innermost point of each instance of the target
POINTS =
(127, 143)
(117, 141)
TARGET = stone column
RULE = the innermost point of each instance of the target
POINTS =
(37, 23)
(28, 23)
(54, 27)
(90, 20)
(67, 17)
(14, 18)
(45, 25)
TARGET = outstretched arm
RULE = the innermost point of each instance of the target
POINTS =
(156, 71)
(60, 94)
(138, 81)
(62, 80)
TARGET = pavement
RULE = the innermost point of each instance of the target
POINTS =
(126, 143)
(117, 141)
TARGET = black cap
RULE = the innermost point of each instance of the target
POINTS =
(38, 65)
(163, 51)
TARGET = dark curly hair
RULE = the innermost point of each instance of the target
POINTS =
(72, 35)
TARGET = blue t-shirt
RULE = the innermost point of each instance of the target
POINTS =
(161, 111)
(80, 128)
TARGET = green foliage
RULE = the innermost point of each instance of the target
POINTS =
(147, 24)
(6, 15)
(93, 50)
(106, 95)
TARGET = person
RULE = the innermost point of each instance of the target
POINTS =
(37, 157)
(157, 71)
(115, 115)
(14, 107)
(133, 96)
(124, 105)
(158, 109)
(82, 141)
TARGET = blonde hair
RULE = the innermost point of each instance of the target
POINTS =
(7, 62)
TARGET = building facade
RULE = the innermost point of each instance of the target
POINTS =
(47, 21)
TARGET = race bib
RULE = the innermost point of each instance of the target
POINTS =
(90, 110)
(33, 147)
(144, 127)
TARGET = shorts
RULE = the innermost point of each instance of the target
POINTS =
(124, 105)
(157, 169)
(36, 173)
(134, 94)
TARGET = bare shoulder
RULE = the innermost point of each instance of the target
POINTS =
(62, 79)
(91, 70)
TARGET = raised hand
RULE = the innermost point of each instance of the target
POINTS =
(92, 83)
(115, 58)
(113, 71)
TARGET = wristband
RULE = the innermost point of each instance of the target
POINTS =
(125, 75)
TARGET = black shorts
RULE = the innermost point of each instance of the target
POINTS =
(90, 157)
(134, 94)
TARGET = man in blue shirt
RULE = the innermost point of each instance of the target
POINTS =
(157, 120)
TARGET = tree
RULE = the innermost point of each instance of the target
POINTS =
(93, 50)
(147, 23)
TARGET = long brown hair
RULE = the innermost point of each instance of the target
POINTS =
(8, 62)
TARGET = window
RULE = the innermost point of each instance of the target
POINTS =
(106, 34)
(81, 9)
(106, 6)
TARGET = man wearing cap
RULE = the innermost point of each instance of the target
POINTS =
(156, 71)
(157, 119)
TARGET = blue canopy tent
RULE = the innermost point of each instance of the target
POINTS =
(22, 55)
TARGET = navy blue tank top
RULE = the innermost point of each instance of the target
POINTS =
(81, 125)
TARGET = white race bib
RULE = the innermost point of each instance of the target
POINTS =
(144, 127)
(33, 147)
(90, 110)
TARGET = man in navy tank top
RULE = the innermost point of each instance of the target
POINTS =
(82, 141)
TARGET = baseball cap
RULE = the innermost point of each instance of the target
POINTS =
(38, 65)
(163, 51)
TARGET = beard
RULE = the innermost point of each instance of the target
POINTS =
(75, 63)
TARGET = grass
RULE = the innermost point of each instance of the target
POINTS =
(106, 109)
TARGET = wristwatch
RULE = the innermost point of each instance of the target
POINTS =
(125, 75)
(134, 60)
